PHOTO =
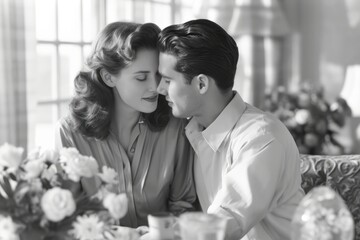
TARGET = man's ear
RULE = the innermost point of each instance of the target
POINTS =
(202, 83)
(107, 78)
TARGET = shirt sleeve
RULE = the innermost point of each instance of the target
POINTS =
(250, 184)
(182, 193)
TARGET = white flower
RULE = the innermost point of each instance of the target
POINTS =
(88, 228)
(108, 175)
(50, 155)
(10, 157)
(33, 169)
(76, 165)
(302, 116)
(116, 204)
(50, 173)
(8, 229)
(57, 203)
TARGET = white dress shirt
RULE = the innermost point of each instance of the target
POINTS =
(247, 169)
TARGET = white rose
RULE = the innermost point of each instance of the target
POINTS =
(8, 229)
(76, 165)
(116, 204)
(108, 175)
(57, 203)
(50, 155)
(302, 116)
(50, 173)
(10, 157)
(33, 169)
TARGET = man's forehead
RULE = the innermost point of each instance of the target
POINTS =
(166, 57)
(166, 63)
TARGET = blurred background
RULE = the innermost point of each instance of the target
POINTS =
(303, 52)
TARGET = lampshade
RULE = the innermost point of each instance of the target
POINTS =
(258, 18)
(351, 89)
(352, 12)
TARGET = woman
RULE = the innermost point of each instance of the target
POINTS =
(117, 117)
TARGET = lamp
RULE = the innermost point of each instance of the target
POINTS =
(258, 18)
(351, 93)
(353, 14)
(351, 89)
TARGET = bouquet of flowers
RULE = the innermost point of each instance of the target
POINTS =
(36, 200)
(310, 119)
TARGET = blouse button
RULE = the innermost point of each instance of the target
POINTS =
(132, 150)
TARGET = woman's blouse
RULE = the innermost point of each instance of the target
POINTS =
(155, 170)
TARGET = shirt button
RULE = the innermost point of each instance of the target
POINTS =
(132, 150)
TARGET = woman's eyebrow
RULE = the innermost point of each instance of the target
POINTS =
(142, 71)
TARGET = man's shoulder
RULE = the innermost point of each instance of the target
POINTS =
(255, 123)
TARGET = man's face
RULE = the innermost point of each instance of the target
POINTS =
(182, 97)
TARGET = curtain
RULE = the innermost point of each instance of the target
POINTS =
(13, 111)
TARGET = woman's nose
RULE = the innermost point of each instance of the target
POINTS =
(153, 83)
(161, 88)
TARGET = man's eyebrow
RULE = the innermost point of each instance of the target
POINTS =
(164, 76)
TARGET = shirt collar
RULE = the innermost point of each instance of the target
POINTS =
(216, 132)
(137, 130)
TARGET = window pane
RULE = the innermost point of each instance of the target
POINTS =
(165, 1)
(158, 13)
(45, 72)
(86, 50)
(44, 127)
(43, 89)
(69, 20)
(90, 19)
(70, 64)
(45, 20)
(190, 3)
(119, 10)
(186, 14)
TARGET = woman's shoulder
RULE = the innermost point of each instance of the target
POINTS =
(66, 127)
(65, 124)
(176, 125)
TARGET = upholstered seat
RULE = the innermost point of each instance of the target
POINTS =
(341, 173)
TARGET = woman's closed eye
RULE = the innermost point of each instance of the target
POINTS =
(142, 77)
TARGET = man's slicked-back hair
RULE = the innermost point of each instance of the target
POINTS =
(201, 47)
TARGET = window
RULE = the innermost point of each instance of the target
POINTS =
(64, 32)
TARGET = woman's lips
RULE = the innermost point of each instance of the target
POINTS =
(151, 99)
(170, 103)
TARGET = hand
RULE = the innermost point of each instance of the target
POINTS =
(142, 230)
(146, 236)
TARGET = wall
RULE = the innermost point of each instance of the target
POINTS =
(325, 40)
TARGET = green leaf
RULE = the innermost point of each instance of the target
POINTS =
(6, 187)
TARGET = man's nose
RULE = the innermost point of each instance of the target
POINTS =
(161, 89)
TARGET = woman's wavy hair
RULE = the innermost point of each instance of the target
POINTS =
(92, 107)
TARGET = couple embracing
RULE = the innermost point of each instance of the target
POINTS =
(158, 106)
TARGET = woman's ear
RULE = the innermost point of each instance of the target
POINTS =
(107, 78)
(202, 83)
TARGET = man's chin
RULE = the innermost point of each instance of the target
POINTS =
(178, 115)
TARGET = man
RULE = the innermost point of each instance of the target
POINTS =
(247, 167)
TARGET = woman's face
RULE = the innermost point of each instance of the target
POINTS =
(137, 83)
